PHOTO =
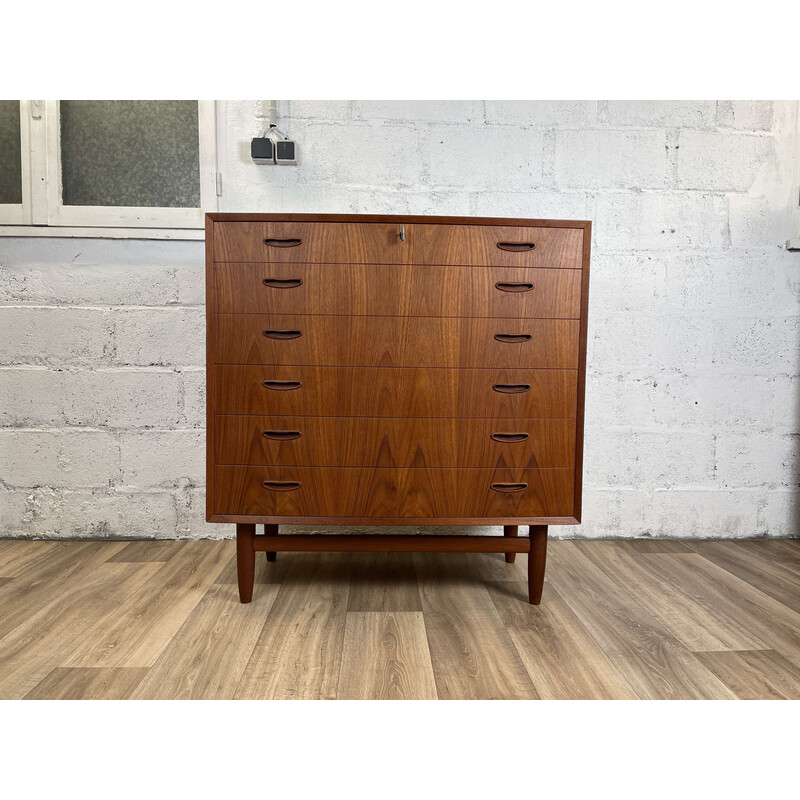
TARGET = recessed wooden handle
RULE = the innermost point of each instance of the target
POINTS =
(511, 388)
(283, 386)
(516, 247)
(281, 486)
(509, 487)
(282, 242)
(509, 438)
(284, 436)
(512, 338)
(270, 334)
(283, 283)
(514, 287)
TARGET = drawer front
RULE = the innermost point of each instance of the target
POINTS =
(378, 492)
(397, 290)
(392, 392)
(391, 442)
(328, 340)
(380, 243)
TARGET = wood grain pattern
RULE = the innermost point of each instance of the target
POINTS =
(88, 683)
(388, 392)
(395, 341)
(383, 582)
(379, 492)
(393, 442)
(755, 674)
(397, 290)
(145, 551)
(380, 243)
(386, 657)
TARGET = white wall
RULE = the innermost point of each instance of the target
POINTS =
(692, 390)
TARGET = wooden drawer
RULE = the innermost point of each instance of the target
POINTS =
(392, 442)
(393, 392)
(394, 493)
(328, 340)
(380, 243)
(397, 290)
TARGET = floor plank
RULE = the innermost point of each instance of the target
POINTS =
(472, 654)
(641, 546)
(207, 656)
(298, 655)
(382, 582)
(18, 554)
(42, 642)
(756, 674)
(386, 657)
(149, 550)
(144, 626)
(562, 659)
(267, 572)
(87, 683)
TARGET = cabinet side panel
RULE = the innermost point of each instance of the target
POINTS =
(210, 371)
(578, 493)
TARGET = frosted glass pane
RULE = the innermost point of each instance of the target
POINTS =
(10, 153)
(130, 153)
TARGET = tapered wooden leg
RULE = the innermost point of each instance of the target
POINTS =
(510, 530)
(271, 530)
(245, 560)
(536, 563)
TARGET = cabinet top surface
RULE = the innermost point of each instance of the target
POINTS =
(423, 219)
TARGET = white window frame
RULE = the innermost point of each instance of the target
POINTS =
(43, 214)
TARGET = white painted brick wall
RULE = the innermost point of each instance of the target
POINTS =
(692, 425)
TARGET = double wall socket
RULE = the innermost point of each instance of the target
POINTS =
(265, 150)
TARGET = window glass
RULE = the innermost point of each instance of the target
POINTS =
(10, 153)
(130, 153)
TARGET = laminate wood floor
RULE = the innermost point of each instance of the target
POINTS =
(619, 620)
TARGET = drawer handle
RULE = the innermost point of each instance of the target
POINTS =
(284, 436)
(516, 247)
(283, 283)
(512, 338)
(283, 386)
(509, 487)
(511, 287)
(509, 438)
(281, 486)
(511, 388)
(282, 242)
(283, 334)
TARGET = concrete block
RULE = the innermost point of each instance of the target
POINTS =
(541, 113)
(782, 513)
(191, 280)
(600, 159)
(54, 336)
(324, 110)
(624, 283)
(191, 506)
(442, 202)
(690, 513)
(13, 503)
(158, 337)
(785, 414)
(722, 161)
(162, 458)
(756, 223)
(745, 115)
(600, 517)
(659, 113)
(758, 344)
(62, 458)
(757, 458)
(31, 396)
(485, 158)
(193, 383)
(531, 205)
(660, 221)
(413, 112)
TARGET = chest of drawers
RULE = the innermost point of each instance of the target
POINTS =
(376, 370)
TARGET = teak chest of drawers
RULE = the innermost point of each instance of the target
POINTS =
(382, 370)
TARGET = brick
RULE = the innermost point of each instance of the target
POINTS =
(54, 336)
(61, 458)
(540, 113)
(660, 221)
(748, 115)
(531, 205)
(596, 159)
(690, 514)
(485, 158)
(756, 458)
(721, 161)
(412, 112)
(162, 458)
(659, 113)
(160, 337)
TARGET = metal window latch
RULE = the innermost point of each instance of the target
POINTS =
(402, 232)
